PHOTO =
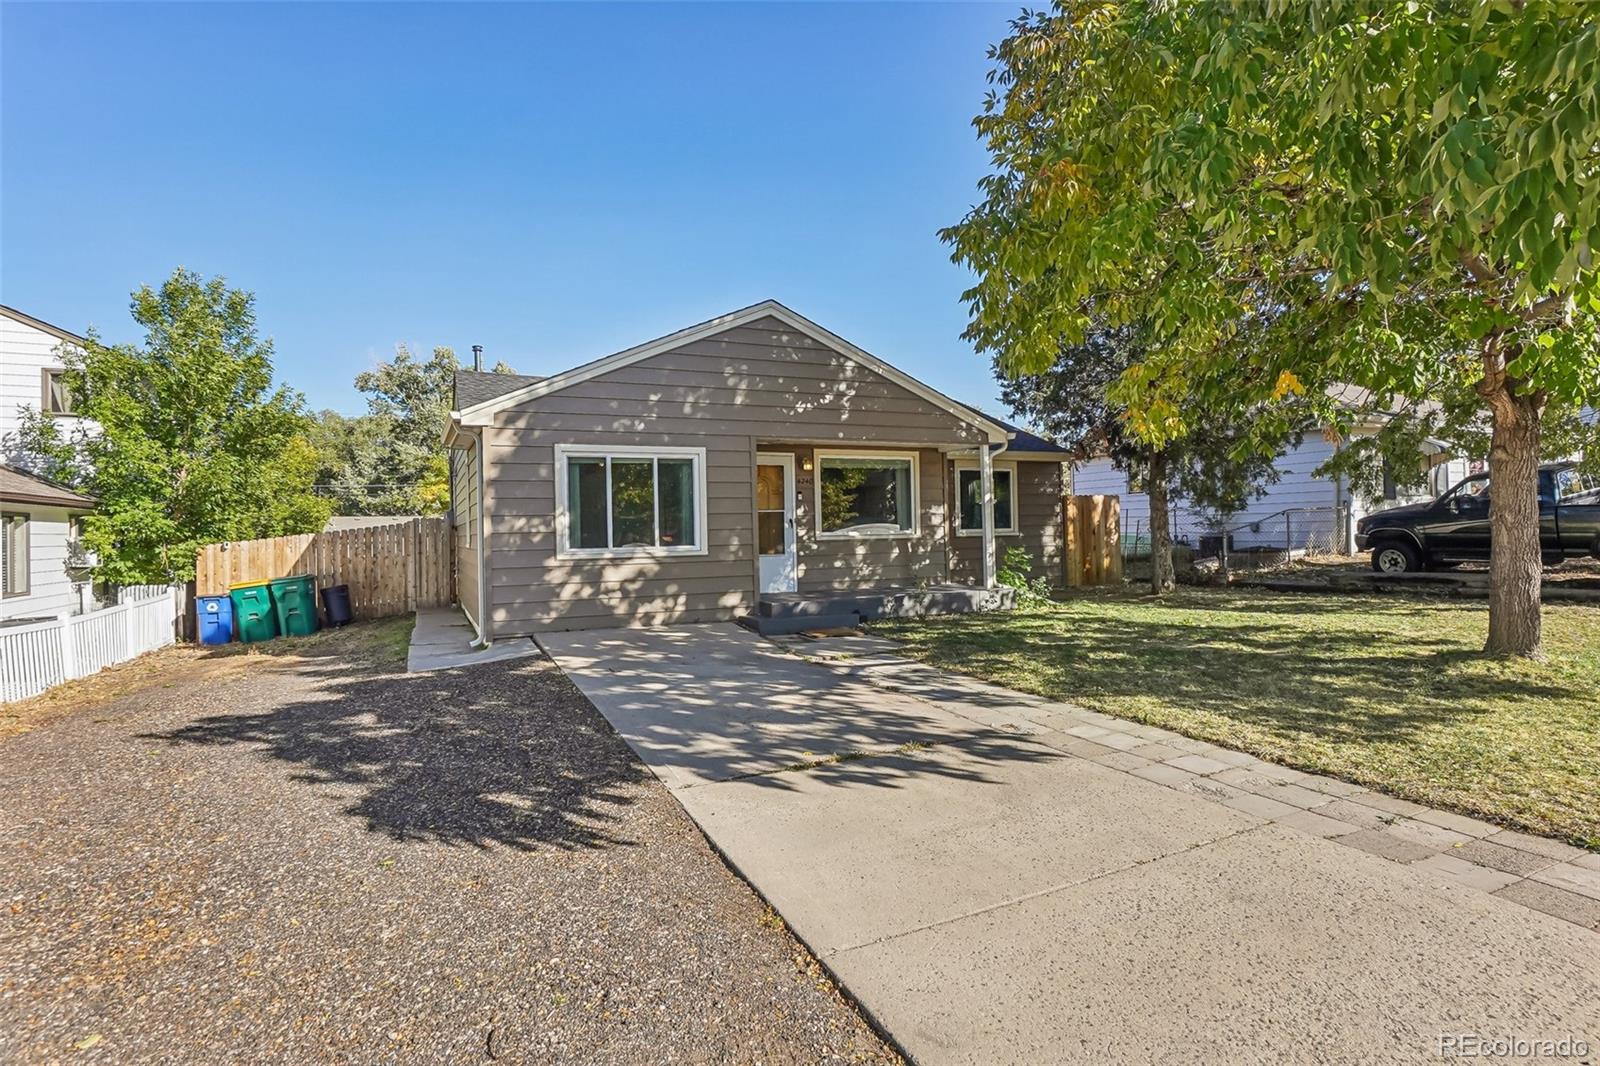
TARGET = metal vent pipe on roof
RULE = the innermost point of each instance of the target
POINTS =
(477, 357)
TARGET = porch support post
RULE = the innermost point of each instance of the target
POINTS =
(986, 482)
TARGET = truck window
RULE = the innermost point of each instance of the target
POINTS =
(1471, 495)
(1572, 483)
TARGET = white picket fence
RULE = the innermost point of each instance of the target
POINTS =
(40, 655)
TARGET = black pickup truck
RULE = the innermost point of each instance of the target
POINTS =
(1455, 527)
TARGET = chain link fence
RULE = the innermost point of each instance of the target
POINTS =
(1269, 540)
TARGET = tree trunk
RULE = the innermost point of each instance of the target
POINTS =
(1161, 572)
(1514, 556)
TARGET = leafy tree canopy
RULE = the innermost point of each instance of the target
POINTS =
(1392, 183)
(1219, 466)
(1293, 194)
(185, 440)
(392, 459)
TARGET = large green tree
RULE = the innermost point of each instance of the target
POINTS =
(1225, 460)
(1403, 196)
(391, 460)
(185, 439)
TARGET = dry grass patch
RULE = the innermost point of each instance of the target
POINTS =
(381, 643)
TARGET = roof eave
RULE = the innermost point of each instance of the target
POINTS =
(80, 504)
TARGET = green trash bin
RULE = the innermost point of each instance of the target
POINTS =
(252, 611)
(295, 600)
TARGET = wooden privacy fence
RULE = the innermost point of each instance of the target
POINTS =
(391, 569)
(1093, 540)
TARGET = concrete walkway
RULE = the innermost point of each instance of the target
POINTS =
(442, 640)
(997, 878)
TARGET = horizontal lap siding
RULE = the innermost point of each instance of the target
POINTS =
(1040, 486)
(1297, 487)
(464, 502)
(869, 562)
(50, 586)
(1039, 508)
(758, 382)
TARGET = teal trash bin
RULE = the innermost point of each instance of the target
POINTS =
(294, 599)
(252, 611)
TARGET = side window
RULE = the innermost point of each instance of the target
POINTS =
(57, 398)
(15, 561)
(1571, 483)
(1472, 496)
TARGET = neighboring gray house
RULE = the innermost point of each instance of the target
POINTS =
(752, 460)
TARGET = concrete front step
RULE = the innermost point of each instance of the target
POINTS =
(769, 626)
(886, 603)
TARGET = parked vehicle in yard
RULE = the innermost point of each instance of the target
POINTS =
(1455, 527)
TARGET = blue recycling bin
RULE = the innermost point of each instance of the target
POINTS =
(215, 615)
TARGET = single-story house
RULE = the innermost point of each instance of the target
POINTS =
(1301, 510)
(753, 465)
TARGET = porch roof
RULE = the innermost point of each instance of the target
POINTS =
(17, 486)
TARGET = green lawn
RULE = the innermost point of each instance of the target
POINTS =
(1386, 692)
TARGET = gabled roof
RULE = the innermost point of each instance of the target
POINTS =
(17, 486)
(481, 412)
(42, 326)
(478, 386)
(1023, 440)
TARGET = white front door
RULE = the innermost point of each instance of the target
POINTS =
(775, 543)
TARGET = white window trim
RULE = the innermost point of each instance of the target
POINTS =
(564, 550)
(999, 467)
(855, 534)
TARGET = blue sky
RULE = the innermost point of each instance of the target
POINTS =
(552, 182)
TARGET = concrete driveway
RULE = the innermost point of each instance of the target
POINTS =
(997, 878)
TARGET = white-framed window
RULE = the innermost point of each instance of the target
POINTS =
(616, 501)
(866, 494)
(969, 499)
(15, 558)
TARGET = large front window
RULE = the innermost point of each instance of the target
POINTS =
(969, 490)
(866, 495)
(631, 501)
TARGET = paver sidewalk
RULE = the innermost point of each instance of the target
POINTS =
(1545, 874)
(999, 878)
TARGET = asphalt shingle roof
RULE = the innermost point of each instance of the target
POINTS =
(476, 386)
(19, 487)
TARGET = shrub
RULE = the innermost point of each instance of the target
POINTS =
(1015, 566)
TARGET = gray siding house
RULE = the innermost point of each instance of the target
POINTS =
(752, 457)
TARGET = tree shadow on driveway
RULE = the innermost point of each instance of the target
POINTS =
(498, 754)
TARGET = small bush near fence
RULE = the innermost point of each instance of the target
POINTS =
(41, 655)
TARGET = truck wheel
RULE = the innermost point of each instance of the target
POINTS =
(1396, 557)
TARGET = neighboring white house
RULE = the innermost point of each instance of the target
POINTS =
(42, 572)
(1299, 511)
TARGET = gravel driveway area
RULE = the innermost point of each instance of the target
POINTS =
(314, 857)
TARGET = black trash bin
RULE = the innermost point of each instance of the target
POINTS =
(336, 602)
